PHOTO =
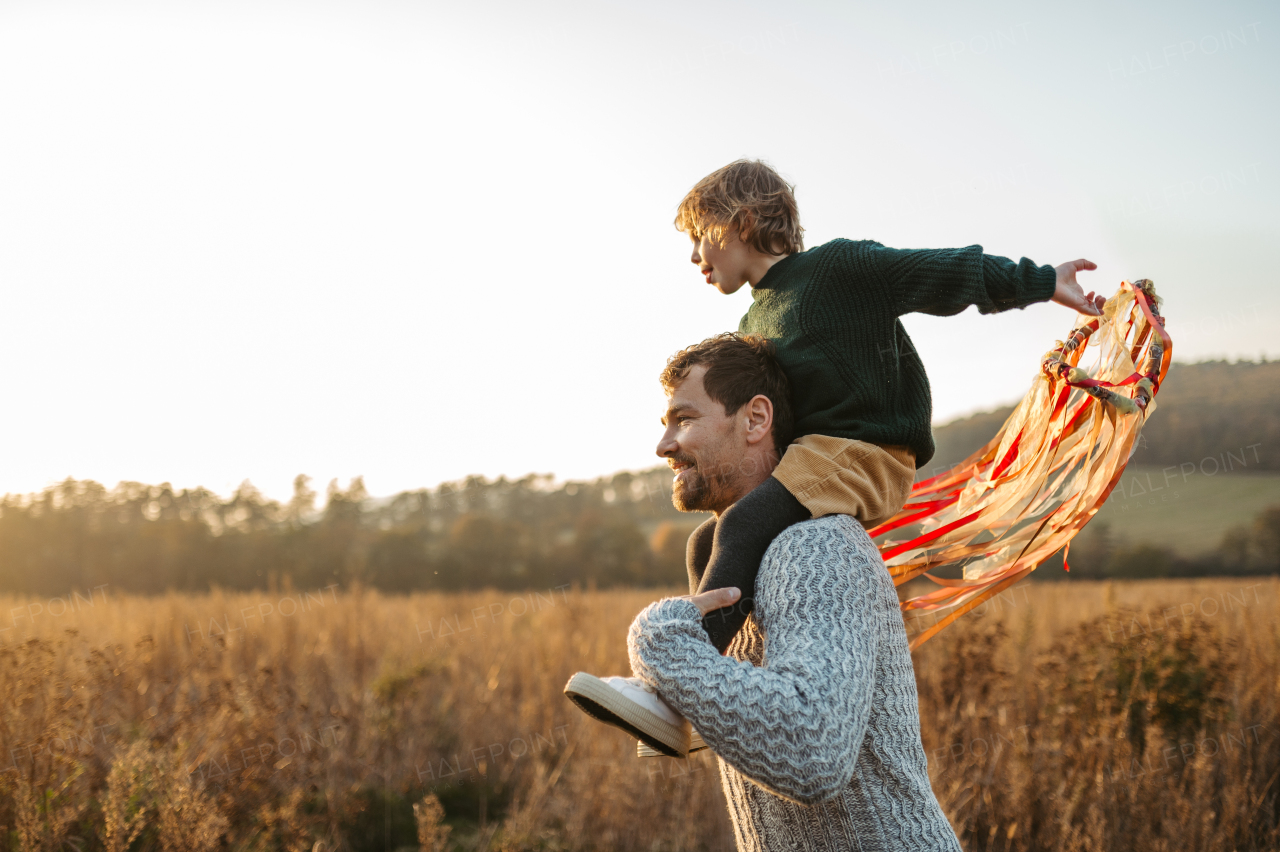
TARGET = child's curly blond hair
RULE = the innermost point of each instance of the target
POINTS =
(746, 197)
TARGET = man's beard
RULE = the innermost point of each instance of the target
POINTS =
(696, 492)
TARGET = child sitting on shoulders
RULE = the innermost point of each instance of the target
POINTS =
(861, 399)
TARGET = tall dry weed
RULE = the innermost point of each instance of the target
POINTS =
(187, 820)
(149, 790)
(43, 817)
(124, 814)
(433, 834)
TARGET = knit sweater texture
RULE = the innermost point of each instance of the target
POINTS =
(812, 713)
(833, 315)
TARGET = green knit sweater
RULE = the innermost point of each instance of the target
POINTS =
(832, 313)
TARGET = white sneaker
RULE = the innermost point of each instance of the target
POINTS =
(631, 704)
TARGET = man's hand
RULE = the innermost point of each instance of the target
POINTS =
(714, 599)
(1071, 294)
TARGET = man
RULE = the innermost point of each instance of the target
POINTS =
(812, 713)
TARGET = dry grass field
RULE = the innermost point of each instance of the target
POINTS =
(1065, 716)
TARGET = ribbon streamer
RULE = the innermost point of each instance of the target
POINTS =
(1023, 496)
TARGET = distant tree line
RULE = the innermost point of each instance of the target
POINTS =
(508, 534)
(532, 532)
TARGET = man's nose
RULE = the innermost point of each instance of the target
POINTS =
(668, 446)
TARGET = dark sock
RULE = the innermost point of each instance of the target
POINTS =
(742, 534)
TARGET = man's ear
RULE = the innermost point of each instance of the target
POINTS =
(759, 414)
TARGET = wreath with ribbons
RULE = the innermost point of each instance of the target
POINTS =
(1020, 499)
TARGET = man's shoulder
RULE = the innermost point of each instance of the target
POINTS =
(822, 559)
(833, 540)
(828, 524)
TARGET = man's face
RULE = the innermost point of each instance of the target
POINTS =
(724, 268)
(704, 446)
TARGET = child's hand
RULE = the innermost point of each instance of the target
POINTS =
(1071, 294)
(714, 599)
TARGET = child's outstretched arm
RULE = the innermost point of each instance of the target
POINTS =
(944, 282)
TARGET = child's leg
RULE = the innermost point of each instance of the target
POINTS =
(742, 535)
(697, 552)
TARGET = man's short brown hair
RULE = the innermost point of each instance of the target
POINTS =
(749, 198)
(739, 366)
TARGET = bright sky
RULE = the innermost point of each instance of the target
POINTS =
(416, 241)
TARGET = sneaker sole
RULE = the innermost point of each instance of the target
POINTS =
(695, 744)
(601, 701)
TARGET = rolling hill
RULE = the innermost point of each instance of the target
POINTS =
(1206, 461)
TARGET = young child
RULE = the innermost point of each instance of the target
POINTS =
(861, 400)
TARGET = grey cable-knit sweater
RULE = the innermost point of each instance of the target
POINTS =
(812, 712)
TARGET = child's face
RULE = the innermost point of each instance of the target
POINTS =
(724, 268)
